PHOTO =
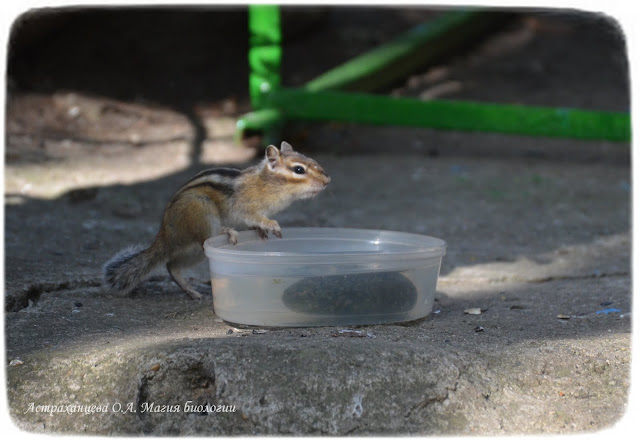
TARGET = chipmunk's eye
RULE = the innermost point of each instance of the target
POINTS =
(299, 169)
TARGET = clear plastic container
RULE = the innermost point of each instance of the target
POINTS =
(324, 277)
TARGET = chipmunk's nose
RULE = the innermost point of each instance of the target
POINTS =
(327, 179)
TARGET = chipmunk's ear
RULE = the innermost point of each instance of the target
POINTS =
(285, 147)
(273, 156)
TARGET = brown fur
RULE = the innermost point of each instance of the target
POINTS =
(213, 202)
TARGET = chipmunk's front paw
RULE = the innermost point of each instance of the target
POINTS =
(232, 234)
(263, 233)
(273, 227)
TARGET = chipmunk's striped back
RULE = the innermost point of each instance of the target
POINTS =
(218, 184)
(220, 179)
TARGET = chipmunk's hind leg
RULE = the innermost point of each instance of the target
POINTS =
(187, 258)
(176, 275)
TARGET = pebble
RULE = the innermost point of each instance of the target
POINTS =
(353, 334)
(16, 363)
(242, 331)
(74, 111)
(155, 367)
(473, 311)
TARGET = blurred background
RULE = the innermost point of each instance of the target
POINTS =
(112, 79)
(110, 109)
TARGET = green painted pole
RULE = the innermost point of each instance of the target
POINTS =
(451, 115)
(265, 53)
(265, 56)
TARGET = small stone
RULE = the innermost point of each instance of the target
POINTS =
(562, 316)
(89, 224)
(155, 367)
(478, 329)
(230, 331)
(77, 304)
(74, 111)
(473, 311)
(352, 334)
(16, 363)
(258, 332)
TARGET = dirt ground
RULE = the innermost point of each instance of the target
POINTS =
(102, 129)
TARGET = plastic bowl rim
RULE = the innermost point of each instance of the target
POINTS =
(438, 250)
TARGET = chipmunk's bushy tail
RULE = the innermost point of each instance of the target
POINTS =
(129, 267)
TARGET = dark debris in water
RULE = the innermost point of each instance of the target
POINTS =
(353, 294)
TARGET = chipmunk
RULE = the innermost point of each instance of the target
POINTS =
(215, 201)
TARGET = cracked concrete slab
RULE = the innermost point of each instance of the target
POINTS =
(527, 371)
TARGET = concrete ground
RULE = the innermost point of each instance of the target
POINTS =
(542, 247)
(538, 234)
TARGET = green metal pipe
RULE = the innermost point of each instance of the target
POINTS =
(410, 51)
(260, 119)
(389, 62)
(451, 115)
(268, 121)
